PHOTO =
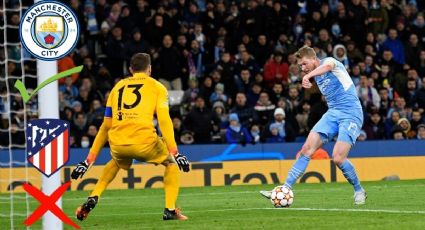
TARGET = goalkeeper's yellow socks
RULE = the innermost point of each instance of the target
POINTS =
(171, 185)
(109, 172)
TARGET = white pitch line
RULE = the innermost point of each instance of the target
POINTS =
(421, 212)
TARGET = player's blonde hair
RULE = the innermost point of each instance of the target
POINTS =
(305, 51)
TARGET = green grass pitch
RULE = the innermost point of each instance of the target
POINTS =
(390, 205)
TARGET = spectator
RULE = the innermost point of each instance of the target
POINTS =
(91, 134)
(275, 135)
(255, 133)
(218, 94)
(405, 126)
(374, 127)
(399, 106)
(420, 97)
(190, 95)
(246, 114)
(247, 62)
(398, 134)
(227, 68)
(421, 132)
(168, 67)
(244, 80)
(200, 121)
(264, 108)
(377, 20)
(136, 44)
(390, 123)
(236, 133)
(196, 60)
(285, 129)
(340, 53)
(115, 50)
(262, 50)
(416, 119)
(276, 70)
(178, 129)
(207, 88)
(367, 93)
(412, 51)
(220, 112)
(69, 90)
(394, 44)
(302, 118)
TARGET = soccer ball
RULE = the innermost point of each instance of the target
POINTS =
(282, 197)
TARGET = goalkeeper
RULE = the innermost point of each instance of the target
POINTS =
(128, 123)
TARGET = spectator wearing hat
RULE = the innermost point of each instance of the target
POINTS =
(405, 126)
(340, 53)
(276, 136)
(218, 94)
(285, 129)
(421, 132)
(220, 112)
(276, 70)
(236, 133)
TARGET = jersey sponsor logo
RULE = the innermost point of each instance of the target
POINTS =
(48, 144)
(49, 30)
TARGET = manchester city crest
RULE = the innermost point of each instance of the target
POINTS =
(49, 30)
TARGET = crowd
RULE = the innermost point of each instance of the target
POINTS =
(235, 62)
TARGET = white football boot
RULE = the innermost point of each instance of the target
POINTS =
(266, 194)
(360, 197)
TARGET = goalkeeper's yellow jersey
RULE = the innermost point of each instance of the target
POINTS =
(131, 106)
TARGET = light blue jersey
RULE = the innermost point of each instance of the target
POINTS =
(345, 115)
(337, 87)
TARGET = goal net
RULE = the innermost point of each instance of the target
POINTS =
(15, 64)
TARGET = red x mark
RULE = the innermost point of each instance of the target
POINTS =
(48, 204)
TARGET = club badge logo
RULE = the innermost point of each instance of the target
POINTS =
(49, 30)
(48, 144)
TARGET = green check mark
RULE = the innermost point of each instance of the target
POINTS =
(24, 93)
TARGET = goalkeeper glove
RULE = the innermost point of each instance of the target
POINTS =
(79, 171)
(182, 162)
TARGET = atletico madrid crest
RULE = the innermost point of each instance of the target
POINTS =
(48, 144)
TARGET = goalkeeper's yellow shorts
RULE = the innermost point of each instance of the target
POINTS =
(154, 153)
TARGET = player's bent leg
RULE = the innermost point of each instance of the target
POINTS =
(171, 189)
(313, 142)
(109, 172)
(339, 155)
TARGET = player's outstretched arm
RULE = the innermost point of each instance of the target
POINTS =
(99, 142)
